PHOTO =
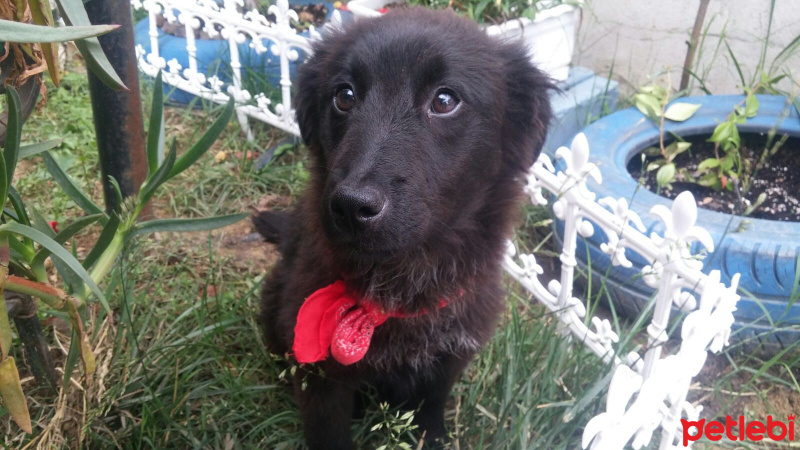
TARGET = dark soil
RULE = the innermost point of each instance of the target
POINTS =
(396, 5)
(779, 178)
(313, 14)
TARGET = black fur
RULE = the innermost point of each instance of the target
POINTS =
(449, 187)
(272, 225)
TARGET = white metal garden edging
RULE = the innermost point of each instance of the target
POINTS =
(659, 385)
(237, 26)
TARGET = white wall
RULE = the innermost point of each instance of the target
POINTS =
(644, 37)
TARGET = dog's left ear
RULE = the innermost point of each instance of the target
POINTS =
(528, 111)
(307, 102)
(307, 99)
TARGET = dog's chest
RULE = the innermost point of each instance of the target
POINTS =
(416, 342)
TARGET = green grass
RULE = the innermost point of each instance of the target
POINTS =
(183, 365)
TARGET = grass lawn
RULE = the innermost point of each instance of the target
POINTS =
(183, 366)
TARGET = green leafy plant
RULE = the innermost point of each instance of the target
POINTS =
(727, 169)
(654, 102)
(715, 172)
(29, 30)
(27, 240)
(396, 428)
(491, 11)
(729, 165)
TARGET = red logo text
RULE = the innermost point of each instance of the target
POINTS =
(738, 430)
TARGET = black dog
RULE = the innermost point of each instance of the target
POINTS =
(420, 128)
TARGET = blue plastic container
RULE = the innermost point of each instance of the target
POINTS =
(765, 253)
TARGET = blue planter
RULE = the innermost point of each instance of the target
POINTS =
(765, 254)
(213, 58)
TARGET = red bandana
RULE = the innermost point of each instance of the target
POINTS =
(330, 321)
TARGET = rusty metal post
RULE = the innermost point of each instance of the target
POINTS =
(118, 114)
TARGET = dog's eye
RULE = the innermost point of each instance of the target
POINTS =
(444, 102)
(345, 99)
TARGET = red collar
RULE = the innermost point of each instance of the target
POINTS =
(331, 321)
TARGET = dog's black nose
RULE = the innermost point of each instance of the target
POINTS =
(353, 208)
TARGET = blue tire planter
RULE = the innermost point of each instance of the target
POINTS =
(213, 58)
(765, 254)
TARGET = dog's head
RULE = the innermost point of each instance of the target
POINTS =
(416, 121)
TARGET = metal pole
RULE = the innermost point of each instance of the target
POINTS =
(118, 114)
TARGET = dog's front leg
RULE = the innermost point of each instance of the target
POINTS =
(433, 392)
(326, 407)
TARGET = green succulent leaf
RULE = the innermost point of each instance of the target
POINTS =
(11, 31)
(158, 177)
(59, 253)
(117, 191)
(26, 151)
(19, 206)
(182, 225)
(4, 182)
(96, 60)
(12, 143)
(65, 235)
(105, 238)
(72, 360)
(155, 134)
(69, 187)
(205, 142)
(72, 282)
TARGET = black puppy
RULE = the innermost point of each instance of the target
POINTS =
(420, 128)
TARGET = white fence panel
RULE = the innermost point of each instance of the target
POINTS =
(659, 385)
(238, 26)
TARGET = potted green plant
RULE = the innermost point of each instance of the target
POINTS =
(547, 27)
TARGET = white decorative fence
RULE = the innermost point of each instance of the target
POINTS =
(238, 26)
(658, 386)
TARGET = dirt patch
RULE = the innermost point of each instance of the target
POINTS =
(24, 167)
(244, 246)
(779, 179)
(238, 243)
(394, 5)
(739, 397)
